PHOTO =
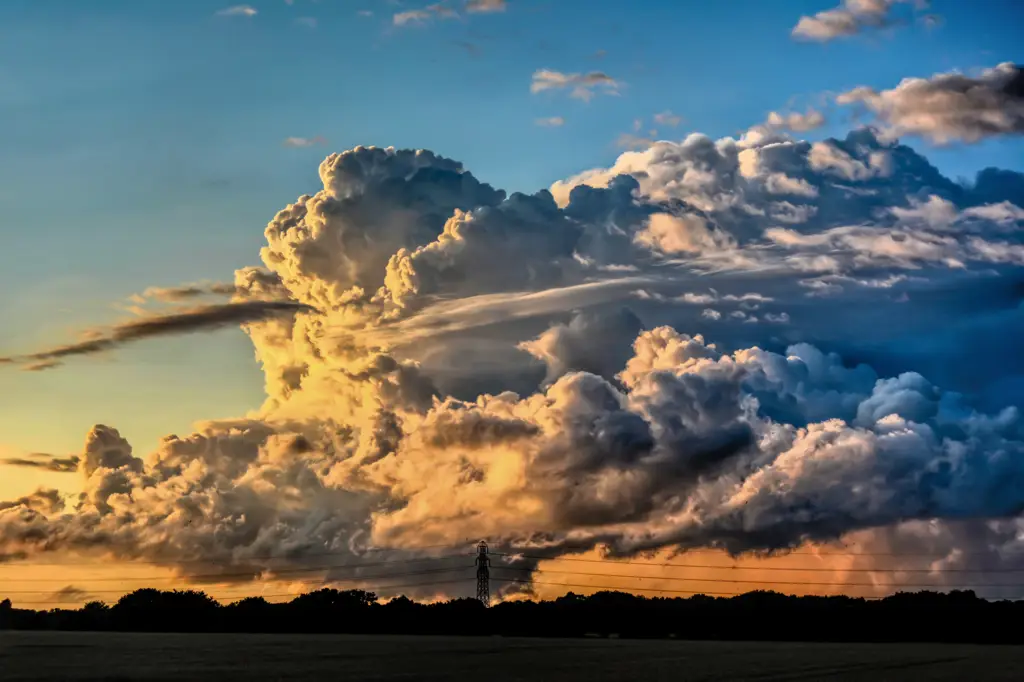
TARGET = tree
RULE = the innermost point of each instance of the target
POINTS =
(6, 614)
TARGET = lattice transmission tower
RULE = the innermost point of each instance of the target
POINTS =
(483, 574)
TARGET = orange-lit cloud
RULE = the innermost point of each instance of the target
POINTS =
(445, 361)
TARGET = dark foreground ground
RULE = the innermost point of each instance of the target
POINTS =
(258, 658)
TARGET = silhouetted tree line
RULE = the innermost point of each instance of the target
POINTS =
(958, 616)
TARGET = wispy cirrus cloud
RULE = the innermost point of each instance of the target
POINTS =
(422, 16)
(550, 122)
(184, 292)
(485, 6)
(303, 142)
(583, 86)
(667, 118)
(237, 11)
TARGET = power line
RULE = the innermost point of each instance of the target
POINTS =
(761, 582)
(374, 550)
(327, 582)
(619, 589)
(638, 589)
(278, 596)
(242, 574)
(15, 563)
(767, 568)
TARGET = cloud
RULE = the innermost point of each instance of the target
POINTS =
(949, 106)
(486, 5)
(43, 501)
(43, 461)
(580, 85)
(302, 142)
(238, 11)
(472, 49)
(797, 122)
(644, 357)
(184, 292)
(308, 22)
(595, 343)
(416, 16)
(186, 321)
(68, 595)
(551, 122)
(670, 234)
(667, 118)
(631, 141)
(422, 16)
(850, 18)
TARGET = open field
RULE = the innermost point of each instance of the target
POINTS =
(258, 658)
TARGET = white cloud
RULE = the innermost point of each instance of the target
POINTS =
(422, 16)
(413, 16)
(300, 142)
(667, 118)
(580, 85)
(850, 18)
(550, 122)
(797, 122)
(238, 11)
(486, 5)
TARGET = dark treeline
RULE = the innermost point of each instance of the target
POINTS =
(920, 616)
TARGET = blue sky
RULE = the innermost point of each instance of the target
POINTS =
(144, 144)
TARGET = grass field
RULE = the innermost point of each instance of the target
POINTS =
(259, 658)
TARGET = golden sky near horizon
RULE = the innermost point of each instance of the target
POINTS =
(46, 584)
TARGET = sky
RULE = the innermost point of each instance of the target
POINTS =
(153, 142)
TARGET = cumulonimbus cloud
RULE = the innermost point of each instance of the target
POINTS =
(542, 369)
